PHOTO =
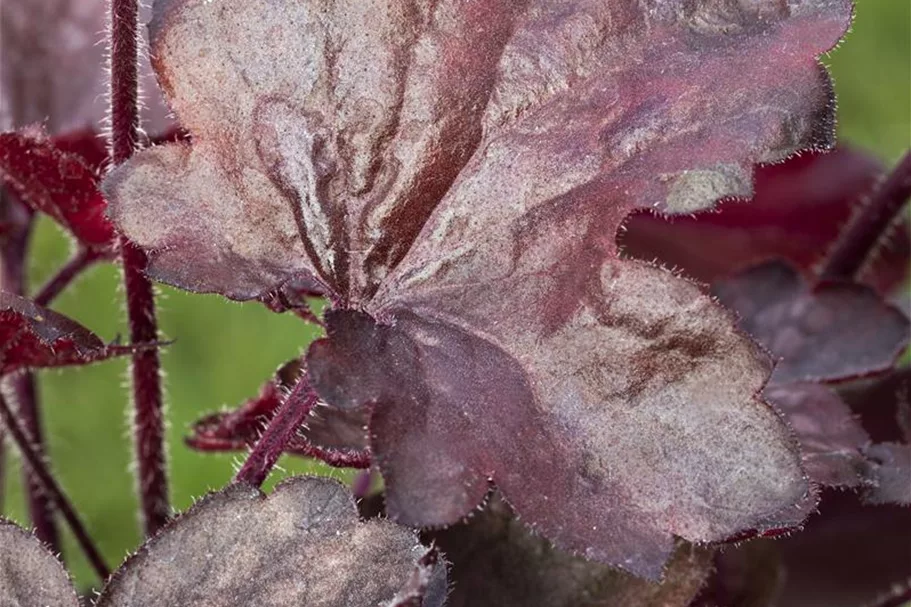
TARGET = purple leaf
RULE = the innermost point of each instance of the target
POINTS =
(833, 331)
(459, 175)
(30, 576)
(31, 336)
(797, 212)
(831, 439)
(890, 471)
(301, 545)
(496, 562)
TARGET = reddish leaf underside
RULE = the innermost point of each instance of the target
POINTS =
(58, 183)
(30, 576)
(335, 436)
(459, 173)
(301, 545)
(31, 336)
(833, 331)
(797, 212)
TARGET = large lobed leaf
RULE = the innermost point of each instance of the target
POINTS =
(453, 176)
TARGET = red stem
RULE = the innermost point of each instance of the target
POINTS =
(55, 285)
(863, 234)
(148, 421)
(40, 507)
(35, 462)
(15, 243)
(281, 428)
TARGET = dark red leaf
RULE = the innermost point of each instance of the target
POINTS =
(459, 175)
(31, 336)
(749, 575)
(831, 439)
(57, 183)
(833, 331)
(797, 212)
(890, 473)
(496, 562)
(337, 437)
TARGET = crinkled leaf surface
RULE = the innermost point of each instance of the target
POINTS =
(604, 457)
(301, 545)
(890, 471)
(496, 562)
(832, 331)
(458, 171)
(56, 182)
(32, 336)
(336, 436)
(342, 134)
(831, 438)
(30, 576)
(797, 212)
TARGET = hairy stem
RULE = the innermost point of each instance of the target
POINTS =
(40, 507)
(864, 233)
(280, 430)
(55, 285)
(13, 252)
(50, 487)
(148, 421)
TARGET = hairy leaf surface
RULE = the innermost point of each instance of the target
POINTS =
(452, 175)
(301, 545)
(30, 576)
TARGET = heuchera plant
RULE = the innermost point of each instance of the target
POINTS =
(605, 310)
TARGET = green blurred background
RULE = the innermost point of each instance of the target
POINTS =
(223, 351)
